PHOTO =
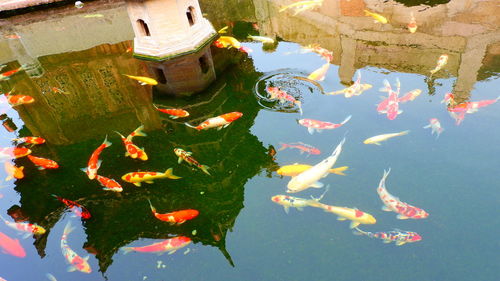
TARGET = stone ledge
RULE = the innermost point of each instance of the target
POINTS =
(7, 5)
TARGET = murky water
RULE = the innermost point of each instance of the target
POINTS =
(240, 234)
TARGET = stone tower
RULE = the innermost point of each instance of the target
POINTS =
(174, 37)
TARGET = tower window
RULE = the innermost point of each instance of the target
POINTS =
(190, 15)
(203, 64)
(160, 75)
(143, 28)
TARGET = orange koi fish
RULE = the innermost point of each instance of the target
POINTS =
(412, 25)
(219, 122)
(94, 162)
(168, 245)
(137, 177)
(76, 262)
(173, 112)
(30, 140)
(25, 227)
(178, 217)
(11, 246)
(13, 171)
(74, 207)
(8, 74)
(12, 36)
(186, 156)
(43, 163)
(109, 184)
(15, 100)
(13, 152)
(132, 150)
(320, 73)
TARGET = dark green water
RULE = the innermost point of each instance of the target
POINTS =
(240, 233)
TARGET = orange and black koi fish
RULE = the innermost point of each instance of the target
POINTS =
(74, 207)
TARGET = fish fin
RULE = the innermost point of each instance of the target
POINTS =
(71, 268)
(127, 250)
(143, 83)
(346, 119)
(287, 209)
(386, 209)
(401, 217)
(136, 183)
(40, 168)
(168, 174)
(106, 142)
(8, 178)
(310, 130)
(205, 168)
(179, 160)
(150, 182)
(26, 235)
(189, 125)
(225, 126)
(171, 252)
(387, 241)
(84, 169)
(400, 111)
(173, 117)
(127, 154)
(86, 258)
(99, 164)
(404, 133)
(426, 127)
(139, 133)
(376, 143)
(319, 130)
(341, 218)
(300, 209)
(219, 128)
(399, 243)
(354, 224)
(283, 146)
(317, 184)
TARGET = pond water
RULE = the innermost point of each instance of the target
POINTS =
(240, 234)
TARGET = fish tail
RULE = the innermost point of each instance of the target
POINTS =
(205, 168)
(322, 195)
(346, 119)
(367, 13)
(358, 231)
(139, 132)
(190, 126)
(283, 146)
(153, 209)
(119, 132)
(339, 170)
(168, 174)
(106, 142)
(68, 228)
(2, 218)
(403, 133)
(127, 250)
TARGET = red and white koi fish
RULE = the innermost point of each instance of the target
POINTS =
(13, 171)
(186, 156)
(320, 73)
(355, 89)
(74, 207)
(30, 140)
(8, 74)
(15, 100)
(43, 163)
(391, 203)
(283, 96)
(443, 59)
(245, 49)
(356, 216)
(137, 177)
(398, 236)
(219, 122)
(173, 113)
(109, 184)
(471, 106)
(168, 245)
(132, 150)
(435, 126)
(177, 217)
(412, 25)
(301, 146)
(11, 246)
(76, 262)
(319, 126)
(410, 96)
(299, 203)
(13, 152)
(94, 162)
(27, 228)
(324, 53)
(391, 105)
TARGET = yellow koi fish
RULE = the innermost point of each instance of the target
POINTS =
(377, 139)
(356, 216)
(319, 74)
(223, 30)
(377, 17)
(137, 177)
(143, 80)
(228, 41)
(295, 169)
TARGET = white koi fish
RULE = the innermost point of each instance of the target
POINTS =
(355, 89)
(377, 139)
(289, 201)
(443, 59)
(435, 126)
(310, 177)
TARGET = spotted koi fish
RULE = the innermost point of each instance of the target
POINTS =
(74, 207)
(390, 105)
(283, 97)
(302, 147)
(132, 150)
(168, 245)
(319, 126)
(186, 156)
(356, 216)
(299, 203)
(76, 262)
(27, 228)
(30, 140)
(137, 177)
(43, 163)
(219, 122)
(391, 203)
(109, 184)
(177, 217)
(355, 89)
(398, 236)
(94, 163)
(173, 112)
(13, 152)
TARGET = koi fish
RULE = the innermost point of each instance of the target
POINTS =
(320, 73)
(356, 216)
(295, 169)
(398, 236)
(299, 203)
(132, 150)
(391, 203)
(410, 96)
(168, 245)
(355, 89)
(186, 156)
(129, 50)
(30, 140)
(74, 207)
(27, 228)
(109, 184)
(412, 25)
(143, 80)
(263, 39)
(324, 53)
(310, 177)
(219, 122)
(319, 126)
(377, 139)
(377, 17)
(301, 6)
(435, 126)
(15, 100)
(50, 277)
(13, 152)
(94, 163)
(227, 42)
(223, 30)
(11, 246)
(178, 217)
(56, 90)
(173, 112)
(13, 171)
(391, 105)
(75, 261)
(300, 146)
(2, 66)
(283, 97)
(8, 74)
(472, 106)
(245, 49)
(137, 177)
(443, 59)
(137, 133)
(43, 163)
